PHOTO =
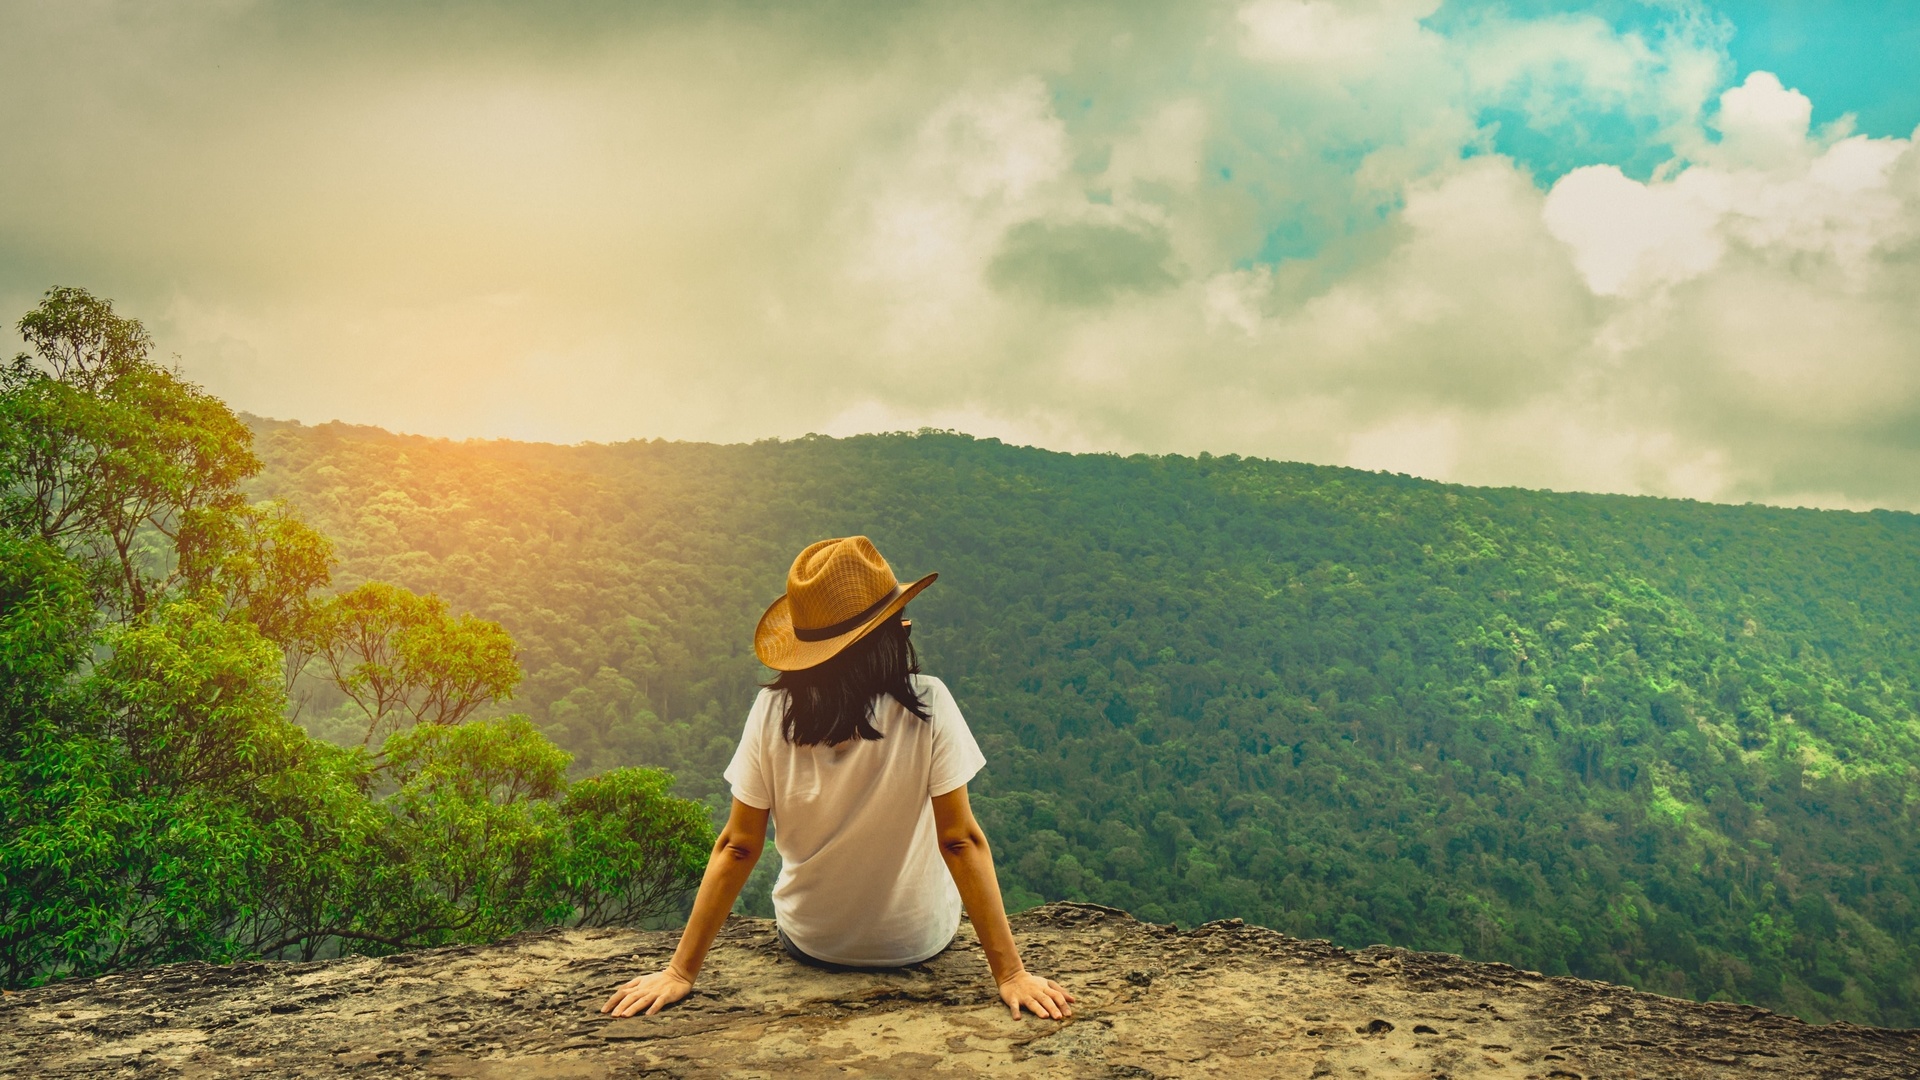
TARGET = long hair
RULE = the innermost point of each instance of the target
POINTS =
(832, 702)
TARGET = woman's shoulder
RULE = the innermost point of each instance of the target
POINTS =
(934, 693)
(767, 703)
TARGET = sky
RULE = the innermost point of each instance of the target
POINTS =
(1648, 246)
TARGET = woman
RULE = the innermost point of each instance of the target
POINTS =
(863, 762)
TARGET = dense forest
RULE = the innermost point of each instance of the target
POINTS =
(1663, 743)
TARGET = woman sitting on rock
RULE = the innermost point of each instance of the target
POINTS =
(863, 763)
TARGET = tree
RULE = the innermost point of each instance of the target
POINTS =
(109, 455)
(45, 616)
(402, 657)
(135, 826)
(475, 810)
(261, 563)
(632, 849)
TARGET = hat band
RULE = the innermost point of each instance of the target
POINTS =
(826, 632)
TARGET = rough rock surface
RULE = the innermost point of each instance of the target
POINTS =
(1221, 1000)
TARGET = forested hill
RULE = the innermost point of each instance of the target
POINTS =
(1657, 742)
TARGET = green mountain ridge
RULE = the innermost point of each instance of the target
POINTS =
(1664, 743)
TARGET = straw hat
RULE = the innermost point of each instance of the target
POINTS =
(837, 591)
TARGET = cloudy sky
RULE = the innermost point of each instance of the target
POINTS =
(1667, 247)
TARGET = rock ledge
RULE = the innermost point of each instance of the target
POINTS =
(1221, 1000)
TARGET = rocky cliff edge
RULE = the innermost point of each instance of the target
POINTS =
(1220, 1000)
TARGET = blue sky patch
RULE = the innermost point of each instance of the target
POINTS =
(1849, 56)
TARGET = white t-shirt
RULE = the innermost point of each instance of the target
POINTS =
(861, 877)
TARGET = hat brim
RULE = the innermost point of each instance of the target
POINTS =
(777, 647)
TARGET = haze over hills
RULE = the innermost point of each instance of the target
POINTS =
(1663, 743)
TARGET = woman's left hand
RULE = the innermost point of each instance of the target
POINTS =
(650, 992)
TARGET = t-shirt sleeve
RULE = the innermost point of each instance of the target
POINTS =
(747, 772)
(956, 757)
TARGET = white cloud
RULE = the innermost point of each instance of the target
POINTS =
(1553, 71)
(933, 215)
(1424, 444)
(1765, 289)
(1629, 236)
(1312, 31)
(1771, 189)
(1475, 306)
(1235, 298)
(1166, 149)
(1762, 122)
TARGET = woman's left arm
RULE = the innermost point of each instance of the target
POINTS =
(963, 844)
(733, 858)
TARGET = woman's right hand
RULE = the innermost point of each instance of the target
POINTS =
(1042, 997)
(650, 992)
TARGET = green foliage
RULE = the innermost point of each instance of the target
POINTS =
(262, 564)
(402, 657)
(476, 815)
(631, 847)
(498, 840)
(44, 621)
(192, 701)
(110, 455)
(156, 803)
(1659, 742)
(134, 832)
(44, 617)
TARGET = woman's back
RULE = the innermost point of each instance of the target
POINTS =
(862, 881)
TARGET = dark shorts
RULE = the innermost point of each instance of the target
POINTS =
(811, 961)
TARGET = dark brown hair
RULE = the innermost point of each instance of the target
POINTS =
(834, 701)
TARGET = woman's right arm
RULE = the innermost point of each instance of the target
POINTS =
(963, 844)
(734, 855)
